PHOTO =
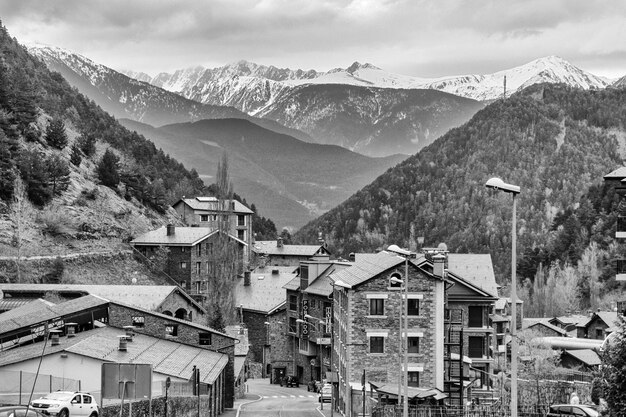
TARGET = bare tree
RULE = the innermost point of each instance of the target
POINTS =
(22, 216)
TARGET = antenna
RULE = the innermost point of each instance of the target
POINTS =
(505, 87)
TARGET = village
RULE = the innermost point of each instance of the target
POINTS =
(426, 328)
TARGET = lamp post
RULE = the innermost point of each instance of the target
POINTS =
(406, 254)
(514, 190)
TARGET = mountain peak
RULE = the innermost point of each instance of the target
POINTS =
(357, 66)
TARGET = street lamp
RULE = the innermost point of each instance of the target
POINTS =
(498, 184)
(405, 372)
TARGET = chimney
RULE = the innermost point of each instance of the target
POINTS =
(275, 271)
(71, 329)
(122, 346)
(351, 257)
(439, 264)
(279, 242)
(246, 278)
(171, 229)
(129, 333)
(54, 338)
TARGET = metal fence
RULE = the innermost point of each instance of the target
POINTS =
(446, 411)
(16, 386)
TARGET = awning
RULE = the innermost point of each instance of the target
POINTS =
(414, 392)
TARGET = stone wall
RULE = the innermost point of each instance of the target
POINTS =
(257, 334)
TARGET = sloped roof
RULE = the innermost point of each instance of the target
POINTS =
(587, 356)
(476, 269)
(500, 303)
(609, 317)
(183, 236)
(550, 326)
(531, 321)
(166, 357)
(367, 266)
(270, 247)
(323, 284)
(212, 204)
(265, 291)
(33, 306)
(7, 304)
(618, 174)
(293, 284)
(29, 315)
(571, 319)
(149, 297)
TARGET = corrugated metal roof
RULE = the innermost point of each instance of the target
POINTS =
(265, 291)
(211, 204)
(270, 247)
(28, 315)
(183, 236)
(149, 297)
(476, 269)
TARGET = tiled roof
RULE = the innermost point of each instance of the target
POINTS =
(166, 356)
(213, 205)
(587, 356)
(550, 326)
(323, 284)
(477, 269)
(33, 306)
(10, 303)
(500, 303)
(265, 291)
(270, 247)
(28, 315)
(183, 236)
(149, 297)
(367, 266)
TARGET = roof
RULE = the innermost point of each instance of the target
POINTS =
(183, 236)
(571, 319)
(270, 247)
(531, 321)
(618, 174)
(367, 266)
(149, 297)
(293, 284)
(166, 357)
(213, 204)
(323, 284)
(265, 291)
(587, 356)
(609, 317)
(477, 269)
(550, 326)
(413, 392)
(31, 314)
(500, 303)
(7, 304)
(241, 348)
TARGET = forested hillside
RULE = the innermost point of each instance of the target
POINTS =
(554, 142)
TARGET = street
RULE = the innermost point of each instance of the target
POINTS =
(265, 399)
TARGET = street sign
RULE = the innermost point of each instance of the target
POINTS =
(323, 340)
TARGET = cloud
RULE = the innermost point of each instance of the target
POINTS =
(425, 37)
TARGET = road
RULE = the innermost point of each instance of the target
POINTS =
(268, 400)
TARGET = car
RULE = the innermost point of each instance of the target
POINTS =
(572, 410)
(67, 404)
(292, 381)
(326, 393)
(19, 411)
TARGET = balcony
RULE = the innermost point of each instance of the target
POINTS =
(621, 270)
(620, 233)
(307, 348)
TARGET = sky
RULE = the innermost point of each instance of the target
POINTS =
(421, 38)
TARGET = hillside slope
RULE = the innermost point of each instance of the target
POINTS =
(551, 140)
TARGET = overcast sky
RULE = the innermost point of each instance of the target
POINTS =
(423, 38)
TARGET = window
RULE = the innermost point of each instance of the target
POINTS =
(413, 307)
(393, 281)
(171, 330)
(475, 348)
(198, 267)
(199, 249)
(475, 316)
(76, 399)
(138, 321)
(413, 344)
(377, 307)
(293, 302)
(241, 220)
(204, 339)
(599, 334)
(86, 399)
(183, 265)
(377, 344)
(204, 217)
(241, 234)
(183, 249)
(414, 379)
(209, 248)
(293, 325)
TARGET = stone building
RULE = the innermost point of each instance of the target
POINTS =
(192, 253)
(276, 253)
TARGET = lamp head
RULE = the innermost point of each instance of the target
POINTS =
(396, 280)
(301, 321)
(397, 249)
(498, 184)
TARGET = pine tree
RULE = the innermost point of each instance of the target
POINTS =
(76, 157)
(7, 169)
(87, 144)
(58, 173)
(55, 134)
(34, 172)
(108, 169)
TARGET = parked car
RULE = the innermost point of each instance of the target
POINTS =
(292, 381)
(19, 411)
(326, 393)
(67, 404)
(572, 410)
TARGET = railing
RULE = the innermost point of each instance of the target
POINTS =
(452, 411)
(16, 386)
